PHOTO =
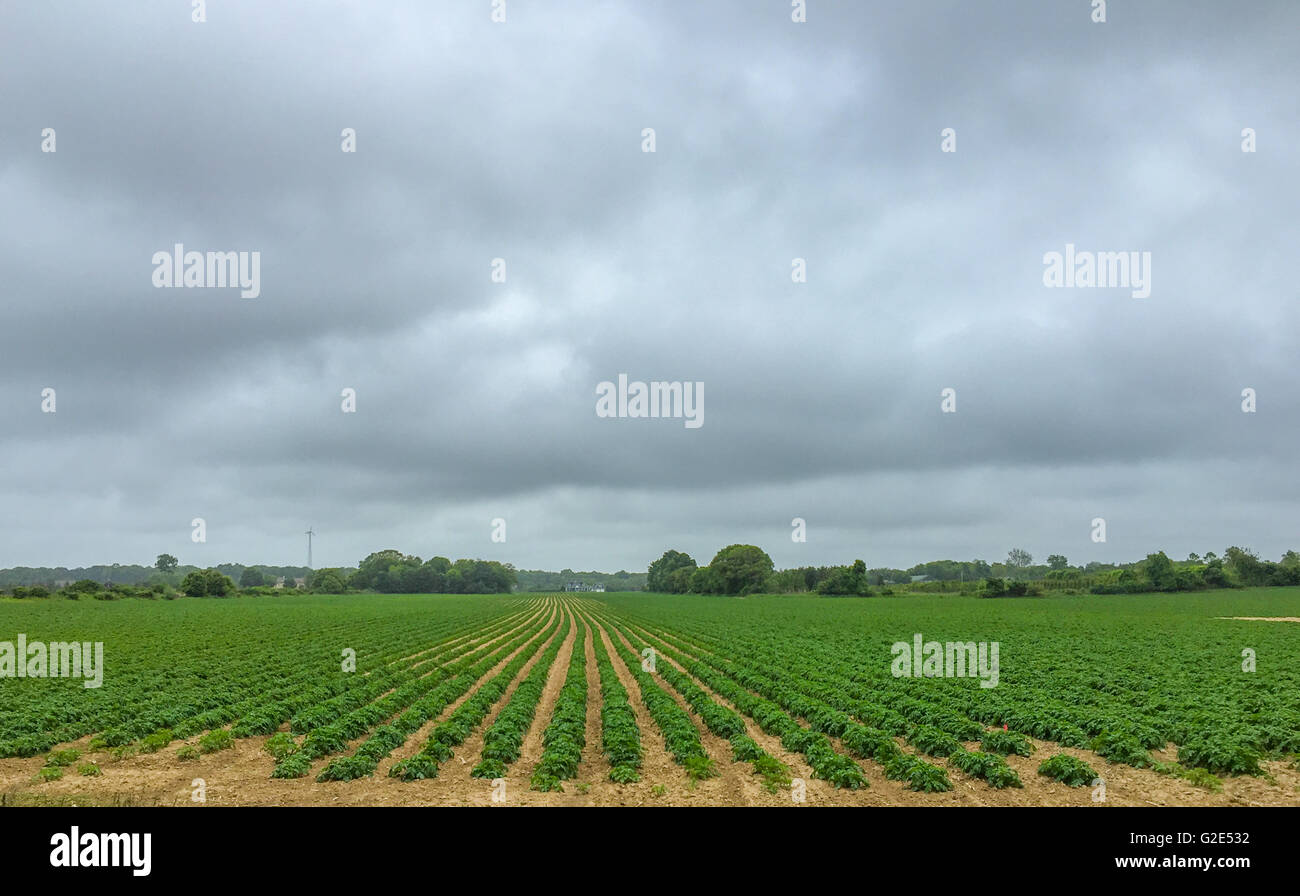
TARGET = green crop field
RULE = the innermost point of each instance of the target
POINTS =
(636, 698)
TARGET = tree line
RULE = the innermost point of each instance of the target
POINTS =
(388, 572)
(746, 569)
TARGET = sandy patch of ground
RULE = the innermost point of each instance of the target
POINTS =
(1262, 618)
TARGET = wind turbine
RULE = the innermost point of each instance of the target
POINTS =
(309, 534)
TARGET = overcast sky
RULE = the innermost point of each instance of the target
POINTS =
(774, 141)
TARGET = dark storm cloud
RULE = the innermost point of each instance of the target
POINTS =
(522, 141)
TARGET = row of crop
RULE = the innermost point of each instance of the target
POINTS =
(832, 711)
(259, 691)
(191, 685)
(566, 735)
(620, 738)
(764, 700)
(680, 734)
(1120, 715)
(934, 725)
(504, 739)
(461, 654)
(299, 709)
(812, 681)
(814, 746)
(458, 726)
(720, 721)
(458, 678)
(122, 710)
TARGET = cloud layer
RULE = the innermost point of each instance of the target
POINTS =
(523, 141)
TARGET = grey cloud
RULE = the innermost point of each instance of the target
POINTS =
(521, 141)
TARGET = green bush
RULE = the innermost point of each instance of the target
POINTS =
(1006, 743)
(993, 587)
(1198, 777)
(207, 583)
(927, 778)
(156, 741)
(931, 740)
(1068, 770)
(293, 766)
(63, 758)
(1121, 746)
(221, 739)
(281, 745)
(1220, 755)
(988, 766)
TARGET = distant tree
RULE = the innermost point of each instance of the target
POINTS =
(481, 577)
(741, 569)
(252, 577)
(704, 580)
(1193, 557)
(1246, 566)
(166, 563)
(659, 576)
(384, 571)
(1019, 558)
(846, 580)
(207, 583)
(679, 580)
(1160, 571)
(1057, 561)
(431, 578)
(327, 581)
(993, 587)
(1214, 576)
